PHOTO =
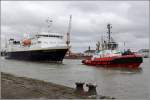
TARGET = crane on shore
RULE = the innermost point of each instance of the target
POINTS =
(68, 34)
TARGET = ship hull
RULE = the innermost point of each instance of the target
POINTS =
(131, 61)
(54, 55)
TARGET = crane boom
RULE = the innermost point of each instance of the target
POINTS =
(68, 32)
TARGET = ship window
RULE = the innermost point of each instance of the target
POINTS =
(16, 42)
(56, 36)
(39, 42)
(45, 42)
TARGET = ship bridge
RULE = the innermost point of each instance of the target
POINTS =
(54, 35)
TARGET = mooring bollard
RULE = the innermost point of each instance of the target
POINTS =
(79, 87)
(92, 89)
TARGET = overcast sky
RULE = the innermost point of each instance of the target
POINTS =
(129, 19)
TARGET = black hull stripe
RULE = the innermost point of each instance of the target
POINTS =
(48, 55)
(127, 60)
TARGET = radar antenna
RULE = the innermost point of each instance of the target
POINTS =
(49, 23)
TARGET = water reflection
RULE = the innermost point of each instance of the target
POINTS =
(125, 70)
(119, 69)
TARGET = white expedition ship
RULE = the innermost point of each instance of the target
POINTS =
(44, 46)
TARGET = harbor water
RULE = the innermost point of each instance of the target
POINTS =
(118, 83)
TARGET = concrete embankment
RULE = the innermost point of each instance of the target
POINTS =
(14, 87)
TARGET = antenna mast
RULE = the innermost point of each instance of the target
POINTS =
(49, 23)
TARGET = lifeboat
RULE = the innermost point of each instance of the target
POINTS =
(121, 60)
(26, 42)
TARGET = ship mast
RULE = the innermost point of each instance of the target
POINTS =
(109, 32)
(111, 45)
(49, 24)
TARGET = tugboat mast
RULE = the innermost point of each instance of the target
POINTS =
(109, 37)
(111, 44)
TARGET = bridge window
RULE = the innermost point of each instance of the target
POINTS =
(56, 36)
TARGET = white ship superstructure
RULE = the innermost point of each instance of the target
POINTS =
(43, 46)
(40, 41)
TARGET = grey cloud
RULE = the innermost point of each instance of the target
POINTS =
(129, 20)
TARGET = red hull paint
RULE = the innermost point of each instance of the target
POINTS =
(128, 61)
(127, 65)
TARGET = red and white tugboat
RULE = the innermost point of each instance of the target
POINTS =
(109, 56)
(113, 58)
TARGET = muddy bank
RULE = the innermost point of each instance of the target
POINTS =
(14, 87)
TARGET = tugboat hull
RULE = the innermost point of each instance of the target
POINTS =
(128, 61)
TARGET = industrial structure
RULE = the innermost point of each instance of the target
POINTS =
(68, 35)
